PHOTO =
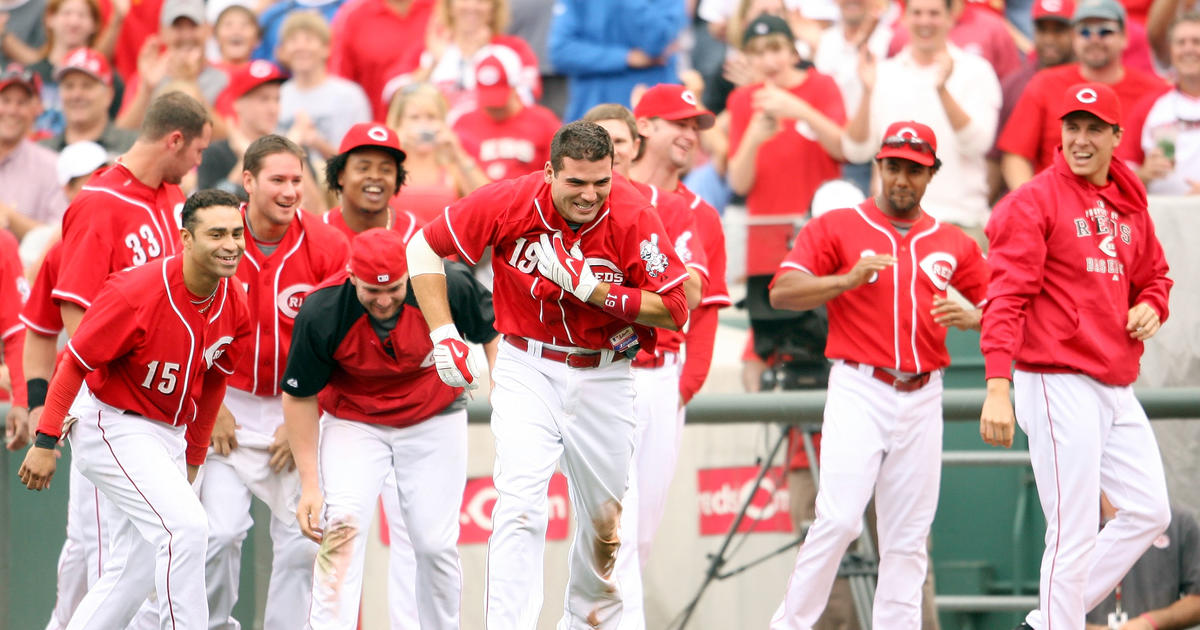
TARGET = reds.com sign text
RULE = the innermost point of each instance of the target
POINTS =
(723, 491)
(475, 517)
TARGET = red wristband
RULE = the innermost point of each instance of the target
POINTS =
(624, 303)
(1149, 620)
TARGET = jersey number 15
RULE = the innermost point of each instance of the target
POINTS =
(166, 379)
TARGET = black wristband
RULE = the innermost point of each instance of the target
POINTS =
(45, 441)
(36, 389)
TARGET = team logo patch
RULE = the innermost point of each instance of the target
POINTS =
(260, 69)
(907, 132)
(1052, 5)
(489, 75)
(383, 278)
(291, 382)
(760, 28)
(656, 261)
(379, 133)
(609, 271)
(292, 298)
(939, 266)
(1108, 247)
(1086, 95)
(214, 352)
(688, 97)
(681, 246)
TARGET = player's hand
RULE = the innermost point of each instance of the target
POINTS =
(639, 59)
(38, 467)
(224, 433)
(566, 268)
(945, 68)
(453, 358)
(192, 472)
(949, 313)
(996, 421)
(1143, 322)
(281, 451)
(1138, 623)
(779, 103)
(866, 268)
(152, 63)
(308, 513)
(737, 70)
(1155, 166)
(16, 428)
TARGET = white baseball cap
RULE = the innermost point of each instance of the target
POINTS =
(79, 159)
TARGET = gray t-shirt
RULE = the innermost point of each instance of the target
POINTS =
(1169, 569)
(334, 107)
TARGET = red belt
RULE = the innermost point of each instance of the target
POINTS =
(644, 360)
(586, 359)
(900, 384)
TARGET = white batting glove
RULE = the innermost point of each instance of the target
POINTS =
(565, 268)
(453, 359)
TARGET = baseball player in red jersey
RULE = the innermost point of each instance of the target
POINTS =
(361, 352)
(287, 255)
(883, 412)
(583, 273)
(14, 289)
(155, 349)
(367, 172)
(656, 375)
(1078, 283)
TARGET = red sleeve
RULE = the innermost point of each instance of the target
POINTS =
(738, 105)
(1149, 280)
(40, 313)
(1022, 134)
(712, 237)
(68, 377)
(677, 219)
(1017, 256)
(971, 276)
(109, 329)
(651, 262)
(14, 348)
(87, 251)
(699, 339)
(676, 302)
(13, 291)
(468, 225)
(199, 431)
(813, 251)
(834, 108)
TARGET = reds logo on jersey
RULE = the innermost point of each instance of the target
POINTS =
(681, 247)
(939, 266)
(656, 261)
(214, 352)
(292, 298)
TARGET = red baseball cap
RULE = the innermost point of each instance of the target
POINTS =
(250, 76)
(372, 134)
(671, 101)
(377, 256)
(1094, 98)
(909, 140)
(87, 61)
(1060, 10)
(16, 74)
(493, 86)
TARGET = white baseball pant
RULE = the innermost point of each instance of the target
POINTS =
(873, 438)
(1086, 437)
(656, 404)
(546, 413)
(226, 486)
(83, 552)
(402, 562)
(429, 462)
(157, 544)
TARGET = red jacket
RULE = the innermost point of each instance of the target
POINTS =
(1068, 261)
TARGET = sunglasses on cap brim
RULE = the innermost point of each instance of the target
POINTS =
(901, 142)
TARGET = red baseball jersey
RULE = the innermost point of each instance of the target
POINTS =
(1034, 131)
(511, 147)
(14, 290)
(41, 313)
(626, 244)
(887, 322)
(147, 347)
(709, 236)
(676, 217)
(276, 285)
(114, 223)
(784, 192)
(360, 371)
(401, 220)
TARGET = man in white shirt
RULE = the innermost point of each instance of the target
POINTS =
(934, 82)
(1170, 136)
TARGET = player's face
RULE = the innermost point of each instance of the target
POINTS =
(928, 23)
(624, 145)
(670, 141)
(1088, 144)
(216, 244)
(186, 155)
(381, 301)
(1054, 42)
(276, 193)
(1185, 49)
(580, 188)
(1099, 43)
(84, 98)
(771, 57)
(904, 183)
(258, 109)
(368, 181)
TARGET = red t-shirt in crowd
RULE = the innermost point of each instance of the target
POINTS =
(141, 22)
(368, 37)
(1034, 131)
(511, 147)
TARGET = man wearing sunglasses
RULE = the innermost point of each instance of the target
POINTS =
(1031, 136)
(882, 270)
(1079, 282)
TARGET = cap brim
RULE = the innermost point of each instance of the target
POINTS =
(29, 87)
(1107, 119)
(704, 119)
(62, 72)
(494, 96)
(922, 158)
(1065, 19)
(397, 153)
